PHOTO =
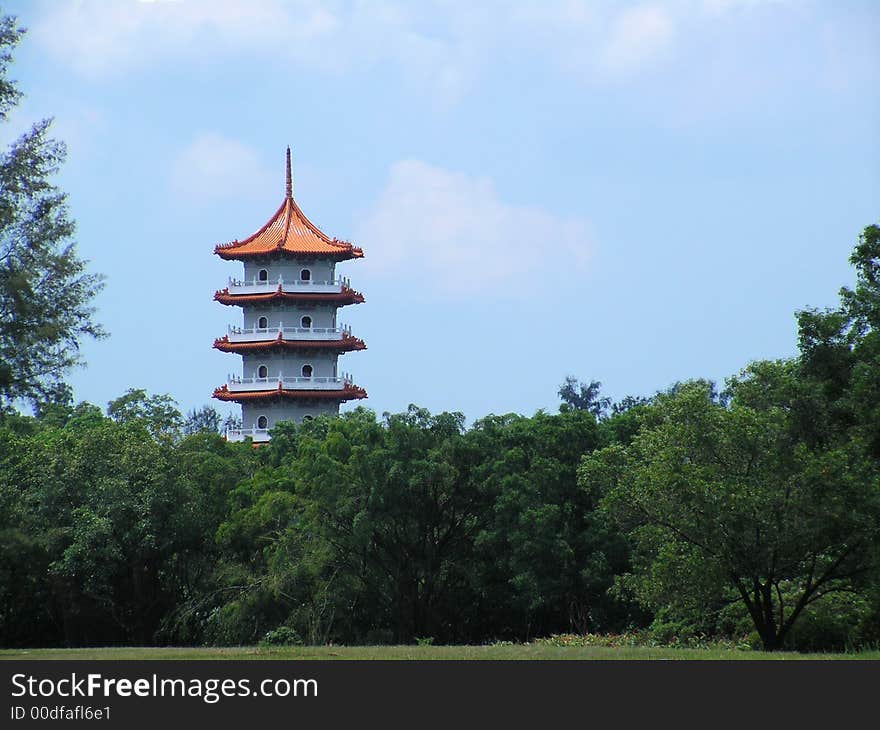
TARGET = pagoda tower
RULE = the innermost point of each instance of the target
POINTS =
(289, 339)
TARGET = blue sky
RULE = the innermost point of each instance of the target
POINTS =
(633, 192)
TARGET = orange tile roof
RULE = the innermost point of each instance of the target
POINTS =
(346, 344)
(346, 296)
(289, 231)
(349, 392)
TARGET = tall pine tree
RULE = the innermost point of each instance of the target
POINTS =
(45, 290)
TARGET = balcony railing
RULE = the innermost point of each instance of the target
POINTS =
(259, 435)
(243, 385)
(267, 334)
(295, 286)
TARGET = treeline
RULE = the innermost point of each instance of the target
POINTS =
(347, 529)
(754, 510)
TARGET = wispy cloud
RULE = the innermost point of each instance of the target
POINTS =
(639, 36)
(213, 168)
(725, 6)
(455, 233)
(98, 38)
(442, 47)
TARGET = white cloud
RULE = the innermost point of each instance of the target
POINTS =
(454, 233)
(214, 168)
(442, 47)
(639, 35)
(99, 38)
(724, 6)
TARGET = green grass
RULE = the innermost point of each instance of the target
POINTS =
(490, 652)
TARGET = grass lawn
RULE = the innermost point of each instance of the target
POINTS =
(490, 652)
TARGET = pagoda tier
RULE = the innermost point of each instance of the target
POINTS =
(346, 392)
(289, 233)
(344, 296)
(346, 343)
(289, 296)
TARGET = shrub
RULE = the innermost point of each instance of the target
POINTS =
(832, 624)
(282, 636)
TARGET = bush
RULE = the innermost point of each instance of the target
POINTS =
(378, 637)
(282, 636)
(832, 624)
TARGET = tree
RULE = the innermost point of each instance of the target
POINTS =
(726, 501)
(45, 291)
(545, 562)
(840, 349)
(205, 418)
(158, 412)
(107, 534)
(232, 422)
(396, 503)
(583, 397)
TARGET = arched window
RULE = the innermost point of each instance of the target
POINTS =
(306, 322)
(262, 323)
(307, 418)
(305, 275)
(263, 275)
(262, 372)
(307, 371)
(262, 423)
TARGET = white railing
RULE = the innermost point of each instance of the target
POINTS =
(237, 384)
(259, 435)
(267, 334)
(255, 286)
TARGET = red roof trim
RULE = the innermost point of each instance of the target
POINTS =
(346, 296)
(346, 344)
(349, 392)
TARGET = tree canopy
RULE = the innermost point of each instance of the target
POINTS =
(45, 289)
(722, 500)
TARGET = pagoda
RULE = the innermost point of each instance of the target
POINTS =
(289, 339)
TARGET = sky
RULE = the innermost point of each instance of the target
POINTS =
(637, 193)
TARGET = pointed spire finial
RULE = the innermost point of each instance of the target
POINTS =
(289, 188)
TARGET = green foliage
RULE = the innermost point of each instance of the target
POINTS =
(720, 498)
(206, 418)
(282, 636)
(45, 291)
(547, 558)
(694, 518)
(583, 397)
(383, 531)
(158, 413)
(103, 528)
(837, 624)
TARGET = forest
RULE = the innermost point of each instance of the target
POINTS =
(748, 512)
